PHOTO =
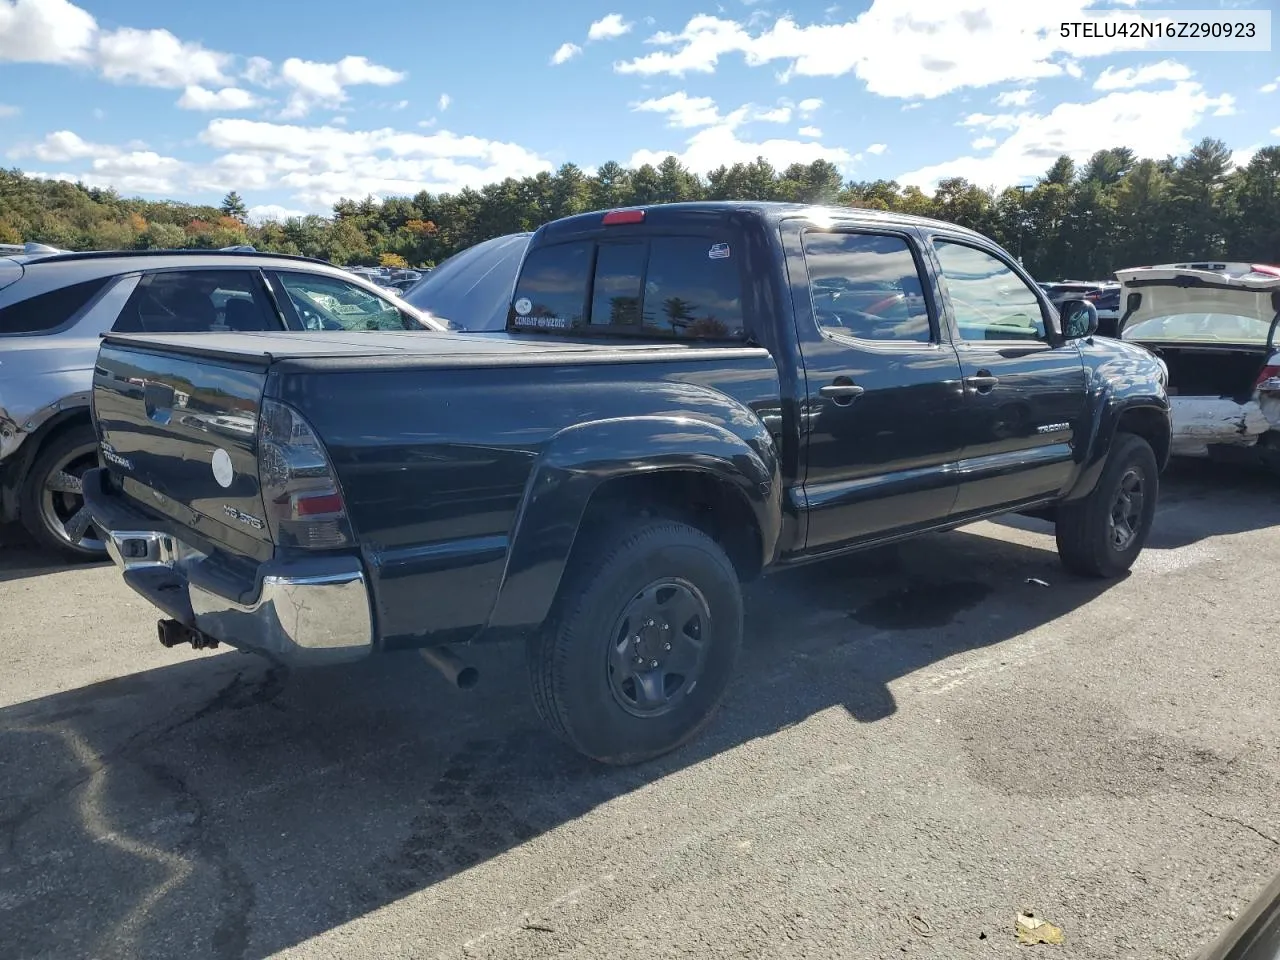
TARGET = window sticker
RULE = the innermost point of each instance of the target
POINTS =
(543, 323)
(524, 306)
(718, 251)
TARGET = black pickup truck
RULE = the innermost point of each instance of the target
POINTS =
(686, 396)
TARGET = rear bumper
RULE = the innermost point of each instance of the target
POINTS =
(314, 609)
(1203, 422)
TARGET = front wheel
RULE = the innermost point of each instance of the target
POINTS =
(1102, 535)
(642, 650)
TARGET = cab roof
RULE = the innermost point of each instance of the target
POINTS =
(699, 212)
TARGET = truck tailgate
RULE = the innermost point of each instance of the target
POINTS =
(179, 434)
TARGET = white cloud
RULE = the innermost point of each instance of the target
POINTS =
(99, 113)
(1276, 132)
(984, 143)
(1152, 123)
(444, 102)
(609, 27)
(228, 98)
(926, 49)
(1129, 77)
(9, 110)
(809, 106)
(45, 31)
(61, 146)
(682, 110)
(717, 142)
(1014, 98)
(1241, 158)
(127, 170)
(877, 148)
(257, 70)
(325, 84)
(265, 212)
(564, 52)
(810, 132)
(321, 164)
(1271, 87)
(156, 58)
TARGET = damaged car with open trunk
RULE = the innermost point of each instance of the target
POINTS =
(1213, 325)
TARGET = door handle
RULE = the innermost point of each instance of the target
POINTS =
(842, 391)
(982, 382)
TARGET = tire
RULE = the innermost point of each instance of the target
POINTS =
(602, 697)
(1088, 543)
(49, 500)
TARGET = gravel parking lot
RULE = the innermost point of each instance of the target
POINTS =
(921, 742)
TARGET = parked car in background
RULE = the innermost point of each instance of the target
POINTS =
(686, 396)
(473, 287)
(1214, 326)
(54, 306)
(1106, 300)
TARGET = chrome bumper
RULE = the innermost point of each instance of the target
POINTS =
(318, 612)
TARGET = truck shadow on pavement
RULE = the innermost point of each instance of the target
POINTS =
(218, 807)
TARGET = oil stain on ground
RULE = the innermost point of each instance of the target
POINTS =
(921, 605)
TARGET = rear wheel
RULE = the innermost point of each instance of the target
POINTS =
(51, 504)
(1102, 535)
(644, 645)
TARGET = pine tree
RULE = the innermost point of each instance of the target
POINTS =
(233, 206)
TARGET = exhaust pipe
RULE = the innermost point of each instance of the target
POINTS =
(461, 675)
(173, 633)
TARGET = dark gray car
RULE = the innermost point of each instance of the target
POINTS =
(473, 287)
(54, 307)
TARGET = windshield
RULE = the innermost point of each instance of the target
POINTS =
(473, 288)
(1201, 328)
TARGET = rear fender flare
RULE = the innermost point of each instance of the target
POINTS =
(579, 459)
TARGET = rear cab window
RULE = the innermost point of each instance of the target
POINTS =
(662, 287)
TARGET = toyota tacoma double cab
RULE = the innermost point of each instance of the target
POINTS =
(686, 396)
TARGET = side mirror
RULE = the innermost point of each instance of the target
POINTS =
(1079, 319)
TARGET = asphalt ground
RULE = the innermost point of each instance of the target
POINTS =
(921, 743)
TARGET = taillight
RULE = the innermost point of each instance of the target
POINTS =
(1269, 378)
(1265, 268)
(303, 501)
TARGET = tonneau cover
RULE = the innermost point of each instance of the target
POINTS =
(266, 347)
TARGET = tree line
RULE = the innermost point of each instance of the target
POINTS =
(1085, 222)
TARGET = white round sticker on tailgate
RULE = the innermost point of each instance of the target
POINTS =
(222, 469)
(523, 306)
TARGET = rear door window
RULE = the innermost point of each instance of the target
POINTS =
(867, 286)
(48, 311)
(197, 301)
(668, 288)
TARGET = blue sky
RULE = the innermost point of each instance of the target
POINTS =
(296, 104)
